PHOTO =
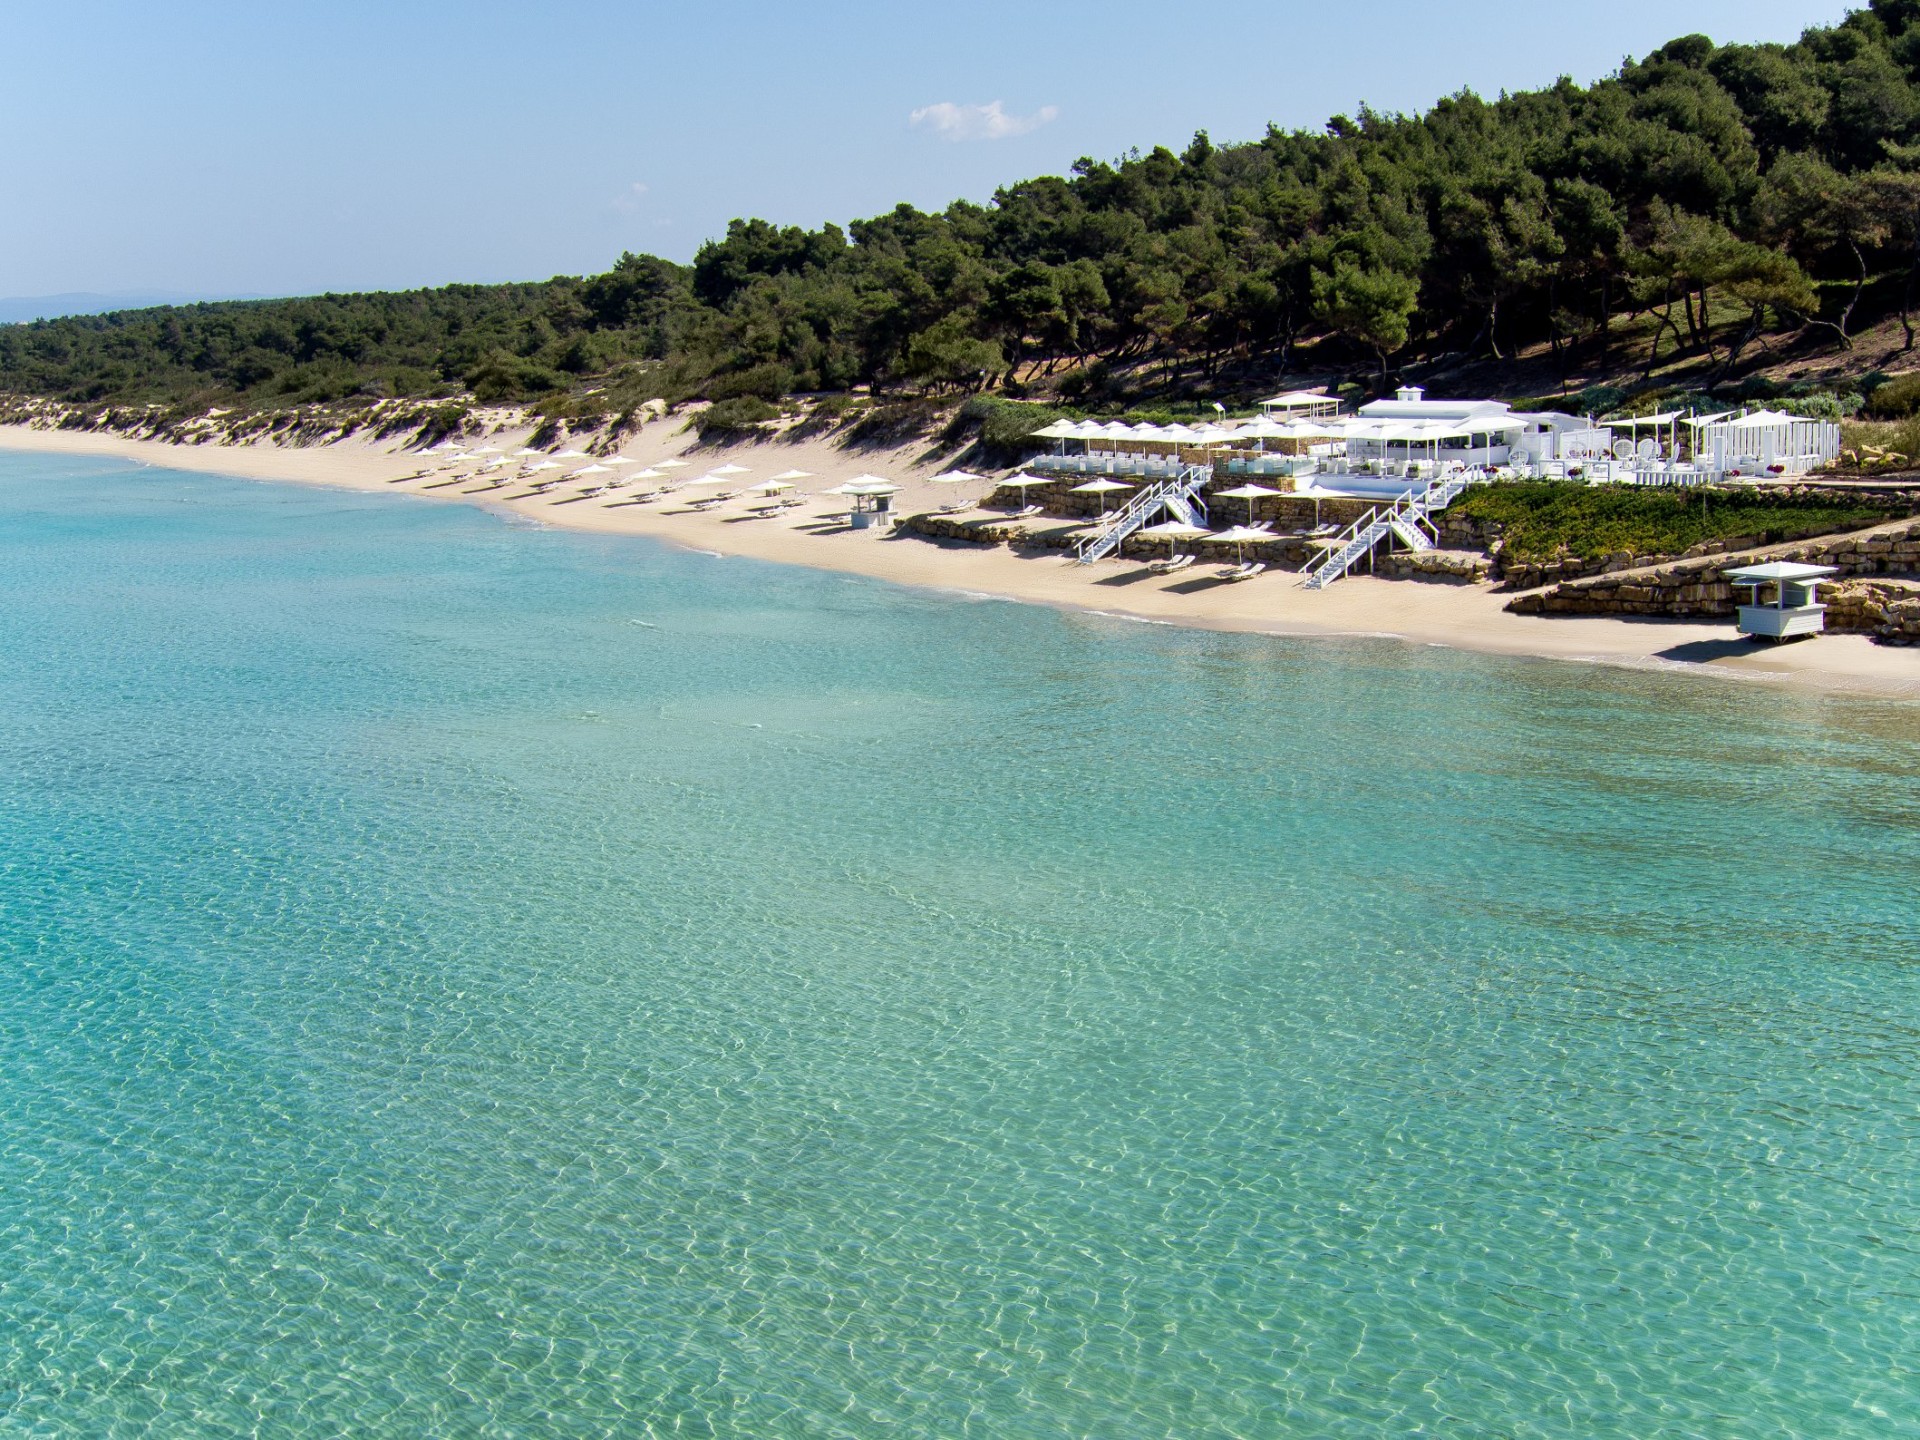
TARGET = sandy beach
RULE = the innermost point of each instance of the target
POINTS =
(815, 534)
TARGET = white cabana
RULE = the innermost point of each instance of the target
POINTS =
(1796, 609)
(1767, 443)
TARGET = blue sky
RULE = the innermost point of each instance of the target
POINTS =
(282, 148)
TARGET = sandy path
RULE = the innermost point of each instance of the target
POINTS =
(1467, 617)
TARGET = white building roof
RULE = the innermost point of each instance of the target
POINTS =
(1778, 570)
(1455, 411)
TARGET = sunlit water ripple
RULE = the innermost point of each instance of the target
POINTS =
(469, 980)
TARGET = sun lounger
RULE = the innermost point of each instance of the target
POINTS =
(1171, 567)
(1233, 574)
(1028, 513)
(956, 507)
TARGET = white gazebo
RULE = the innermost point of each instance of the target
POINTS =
(1766, 443)
(1300, 405)
(1796, 609)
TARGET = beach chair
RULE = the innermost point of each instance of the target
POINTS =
(1171, 566)
(955, 507)
(1234, 574)
(1028, 513)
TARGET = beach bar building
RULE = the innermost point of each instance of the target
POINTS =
(1785, 602)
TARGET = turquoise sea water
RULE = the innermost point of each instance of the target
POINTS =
(463, 979)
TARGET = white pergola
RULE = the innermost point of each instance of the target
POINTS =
(1300, 405)
(1765, 442)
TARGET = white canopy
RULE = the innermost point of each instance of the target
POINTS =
(1021, 482)
(1766, 420)
(1099, 487)
(1176, 530)
(1059, 430)
(1637, 421)
(1242, 534)
(1778, 570)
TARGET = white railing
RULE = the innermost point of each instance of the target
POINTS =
(1409, 518)
(1183, 492)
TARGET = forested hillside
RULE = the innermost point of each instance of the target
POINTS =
(1696, 205)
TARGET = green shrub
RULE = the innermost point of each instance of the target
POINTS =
(1003, 425)
(1543, 518)
(739, 416)
(1896, 399)
(896, 424)
(761, 382)
(509, 377)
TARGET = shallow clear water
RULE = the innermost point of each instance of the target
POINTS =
(464, 979)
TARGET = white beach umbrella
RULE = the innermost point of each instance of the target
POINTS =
(488, 450)
(1174, 531)
(526, 452)
(1102, 488)
(1248, 493)
(621, 460)
(1022, 482)
(794, 475)
(731, 470)
(588, 470)
(711, 478)
(773, 487)
(1240, 536)
(958, 477)
(543, 465)
(670, 464)
(647, 474)
(571, 455)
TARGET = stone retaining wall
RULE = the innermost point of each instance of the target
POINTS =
(1450, 567)
(1697, 587)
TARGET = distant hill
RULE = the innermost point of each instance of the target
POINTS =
(18, 309)
(1698, 212)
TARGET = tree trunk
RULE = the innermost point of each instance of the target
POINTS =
(1606, 315)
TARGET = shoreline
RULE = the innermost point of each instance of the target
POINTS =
(1463, 617)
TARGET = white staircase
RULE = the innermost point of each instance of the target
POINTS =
(1180, 495)
(1408, 520)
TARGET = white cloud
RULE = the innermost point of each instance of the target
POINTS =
(980, 122)
(628, 200)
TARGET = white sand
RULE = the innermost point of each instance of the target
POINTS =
(1467, 617)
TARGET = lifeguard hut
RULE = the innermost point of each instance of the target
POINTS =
(1785, 599)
